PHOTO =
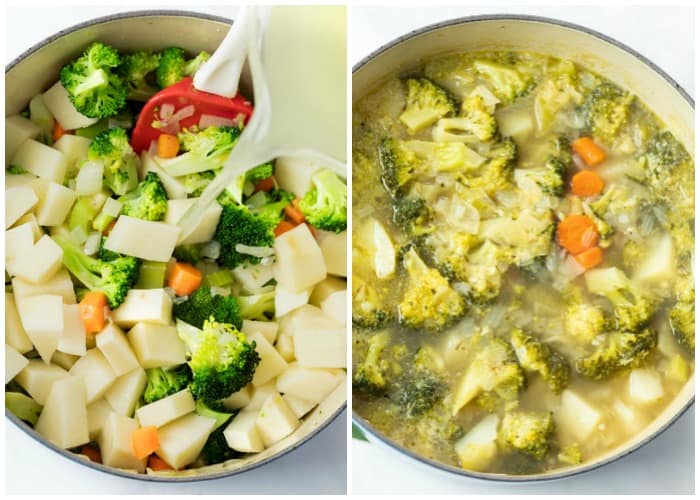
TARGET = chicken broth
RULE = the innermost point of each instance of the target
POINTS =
(523, 297)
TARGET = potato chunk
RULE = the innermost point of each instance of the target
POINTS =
(17, 130)
(335, 254)
(477, 448)
(96, 372)
(15, 335)
(59, 284)
(54, 207)
(166, 410)
(136, 237)
(60, 106)
(242, 433)
(63, 421)
(37, 378)
(97, 414)
(115, 443)
(41, 160)
(156, 345)
(275, 420)
(311, 384)
(72, 339)
(147, 306)
(300, 263)
(18, 201)
(645, 386)
(182, 441)
(577, 415)
(112, 342)
(204, 230)
(126, 390)
(42, 319)
(40, 263)
(271, 363)
(14, 363)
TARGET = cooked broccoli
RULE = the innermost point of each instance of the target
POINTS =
(371, 374)
(682, 313)
(325, 204)
(571, 455)
(584, 321)
(202, 304)
(527, 432)
(259, 307)
(204, 150)
(195, 184)
(238, 226)
(15, 170)
(84, 211)
(411, 215)
(134, 70)
(149, 201)
(670, 174)
(632, 254)
(497, 173)
(22, 406)
(426, 103)
(428, 302)
(162, 382)
(559, 91)
(619, 350)
(605, 110)
(245, 184)
(112, 148)
(174, 66)
(484, 273)
(222, 359)
(536, 356)
(216, 450)
(114, 278)
(505, 81)
(605, 230)
(421, 387)
(92, 82)
(633, 309)
(213, 410)
(190, 253)
(271, 206)
(369, 309)
(475, 123)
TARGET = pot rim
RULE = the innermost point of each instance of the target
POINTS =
(73, 456)
(564, 472)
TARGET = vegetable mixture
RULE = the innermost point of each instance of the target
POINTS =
(136, 343)
(523, 295)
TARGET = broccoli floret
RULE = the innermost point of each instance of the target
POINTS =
(484, 272)
(605, 110)
(411, 215)
(428, 301)
(259, 307)
(271, 211)
(527, 432)
(369, 308)
(245, 184)
(497, 173)
(202, 304)
(633, 309)
(426, 103)
(475, 123)
(15, 170)
(238, 226)
(195, 184)
(632, 254)
(114, 278)
(619, 350)
(134, 70)
(214, 410)
(664, 151)
(174, 66)
(161, 382)
(670, 174)
(216, 450)
(557, 93)
(149, 201)
(222, 359)
(112, 148)
(421, 387)
(204, 150)
(325, 205)
(92, 82)
(605, 230)
(682, 313)
(537, 356)
(371, 374)
(571, 455)
(104, 254)
(190, 253)
(505, 81)
(583, 321)
(84, 211)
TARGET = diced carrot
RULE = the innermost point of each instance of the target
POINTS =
(58, 131)
(92, 311)
(184, 278)
(586, 183)
(577, 233)
(144, 441)
(266, 185)
(109, 228)
(589, 151)
(590, 258)
(168, 146)
(294, 213)
(283, 227)
(157, 463)
(91, 452)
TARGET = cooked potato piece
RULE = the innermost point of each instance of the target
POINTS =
(40, 263)
(156, 346)
(166, 410)
(59, 284)
(275, 420)
(242, 433)
(239, 399)
(311, 384)
(14, 363)
(18, 201)
(286, 301)
(112, 342)
(29, 218)
(17, 130)
(60, 106)
(271, 363)
(96, 372)
(334, 306)
(127, 238)
(201, 232)
(54, 207)
(335, 252)
(65, 361)
(115, 443)
(267, 328)
(63, 421)
(73, 147)
(299, 264)
(285, 346)
(477, 448)
(299, 407)
(37, 378)
(260, 394)
(182, 441)
(41, 160)
(253, 277)
(72, 339)
(645, 386)
(319, 343)
(147, 306)
(42, 319)
(15, 335)
(97, 414)
(577, 415)
(124, 393)
(18, 240)
(326, 287)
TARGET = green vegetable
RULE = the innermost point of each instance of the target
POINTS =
(245, 183)
(620, 350)
(325, 205)
(259, 307)
(222, 277)
(527, 432)
(370, 374)
(203, 150)
(112, 148)
(174, 66)
(506, 82)
(149, 201)
(203, 409)
(216, 450)
(23, 407)
(85, 210)
(151, 275)
(426, 103)
(134, 70)
(190, 253)
(162, 382)
(202, 305)
(536, 356)
(606, 109)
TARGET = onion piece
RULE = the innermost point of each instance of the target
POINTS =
(214, 121)
(211, 249)
(92, 243)
(166, 111)
(255, 251)
(112, 207)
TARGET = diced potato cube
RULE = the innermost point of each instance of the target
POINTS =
(115, 443)
(147, 306)
(55, 205)
(96, 373)
(286, 301)
(40, 262)
(63, 421)
(72, 339)
(18, 240)
(299, 264)
(294, 174)
(41, 160)
(238, 399)
(18, 201)
(260, 394)
(319, 343)
(132, 236)
(156, 346)
(14, 363)
(335, 307)
(311, 384)
(201, 232)
(299, 407)
(126, 390)
(677, 369)
(64, 360)
(267, 328)
(271, 363)
(17, 180)
(60, 106)
(30, 218)
(335, 253)
(166, 410)
(659, 265)
(15, 335)
(275, 420)
(37, 378)
(74, 148)
(477, 448)
(645, 386)
(89, 178)
(42, 319)
(97, 414)
(40, 187)
(253, 277)
(182, 441)
(17, 130)
(112, 342)
(577, 416)
(242, 433)
(515, 122)
(632, 419)
(285, 346)
(59, 284)
(326, 287)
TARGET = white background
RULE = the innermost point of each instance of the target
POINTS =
(666, 466)
(319, 466)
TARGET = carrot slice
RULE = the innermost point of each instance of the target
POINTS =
(577, 233)
(283, 227)
(144, 441)
(589, 151)
(92, 453)
(266, 185)
(184, 278)
(157, 463)
(587, 183)
(590, 258)
(92, 311)
(168, 146)
(294, 213)
(58, 131)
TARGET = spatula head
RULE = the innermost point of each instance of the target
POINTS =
(180, 95)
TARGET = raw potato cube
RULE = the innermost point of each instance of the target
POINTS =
(74, 148)
(326, 287)
(72, 339)
(202, 231)
(477, 448)
(286, 301)
(31, 219)
(18, 240)
(15, 335)
(40, 262)
(271, 363)
(275, 420)
(136, 237)
(112, 342)
(55, 205)
(89, 178)
(659, 265)
(299, 264)
(59, 284)
(18, 201)
(17, 180)
(182, 441)
(156, 346)
(58, 103)
(577, 415)
(17, 130)
(294, 174)
(42, 319)
(299, 407)
(267, 328)
(238, 400)
(14, 363)
(38, 377)
(115, 443)
(63, 421)
(41, 160)
(147, 306)
(645, 386)
(334, 306)
(253, 276)
(310, 384)
(125, 392)
(96, 372)
(319, 342)
(260, 394)
(97, 414)
(242, 433)
(166, 410)
(64, 360)
(285, 346)
(335, 252)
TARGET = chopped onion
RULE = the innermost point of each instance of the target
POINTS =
(112, 207)
(92, 243)
(211, 249)
(214, 121)
(169, 120)
(267, 261)
(166, 111)
(255, 251)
